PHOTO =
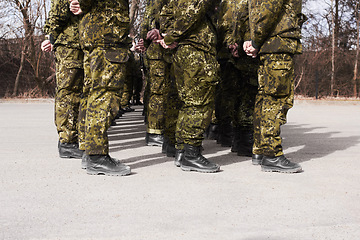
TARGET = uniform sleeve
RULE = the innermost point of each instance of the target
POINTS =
(58, 16)
(226, 23)
(186, 15)
(264, 15)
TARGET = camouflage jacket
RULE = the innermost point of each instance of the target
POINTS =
(275, 25)
(152, 16)
(233, 25)
(105, 23)
(193, 22)
(62, 25)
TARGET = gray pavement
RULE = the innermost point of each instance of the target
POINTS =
(45, 197)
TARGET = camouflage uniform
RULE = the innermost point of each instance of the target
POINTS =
(240, 72)
(192, 25)
(104, 30)
(158, 63)
(276, 31)
(62, 26)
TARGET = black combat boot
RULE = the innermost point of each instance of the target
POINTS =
(193, 160)
(179, 154)
(245, 143)
(168, 148)
(154, 139)
(69, 150)
(104, 164)
(279, 164)
(256, 159)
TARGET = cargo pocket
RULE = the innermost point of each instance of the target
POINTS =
(277, 74)
(117, 55)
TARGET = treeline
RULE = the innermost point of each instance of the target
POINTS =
(328, 67)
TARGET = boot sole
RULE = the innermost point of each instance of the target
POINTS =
(188, 169)
(69, 156)
(96, 172)
(280, 170)
(154, 144)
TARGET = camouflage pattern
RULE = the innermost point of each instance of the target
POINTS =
(69, 82)
(104, 30)
(275, 29)
(275, 97)
(62, 25)
(158, 76)
(151, 19)
(104, 23)
(193, 23)
(159, 63)
(105, 71)
(276, 25)
(196, 79)
(238, 85)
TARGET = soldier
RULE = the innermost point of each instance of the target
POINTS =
(61, 29)
(275, 31)
(241, 92)
(104, 29)
(192, 26)
(158, 63)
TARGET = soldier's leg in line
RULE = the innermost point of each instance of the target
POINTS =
(83, 101)
(244, 109)
(155, 107)
(171, 112)
(69, 81)
(225, 111)
(106, 77)
(196, 89)
(127, 93)
(278, 93)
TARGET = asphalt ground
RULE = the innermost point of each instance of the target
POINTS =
(45, 197)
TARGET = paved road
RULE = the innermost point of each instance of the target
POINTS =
(45, 197)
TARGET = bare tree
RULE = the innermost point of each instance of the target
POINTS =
(357, 50)
(29, 11)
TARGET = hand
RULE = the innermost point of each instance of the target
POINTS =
(153, 35)
(139, 47)
(249, 49)
(234, 50)
(46, 46)
(163, 44)
(75, 7)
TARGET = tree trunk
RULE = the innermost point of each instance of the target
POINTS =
(357, 51)
(332, 50)
(17, 80)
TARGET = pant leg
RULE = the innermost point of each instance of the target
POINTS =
(275, 97)
(158, 73)
(106, 71)
(69, 82)
(196, 79)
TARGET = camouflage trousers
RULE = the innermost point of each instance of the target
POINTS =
(275, 97)
(196, 75)
(171, 108)
(105, 71)
(126, 91)
(69, 82)
(246, 87)
(159, 71)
